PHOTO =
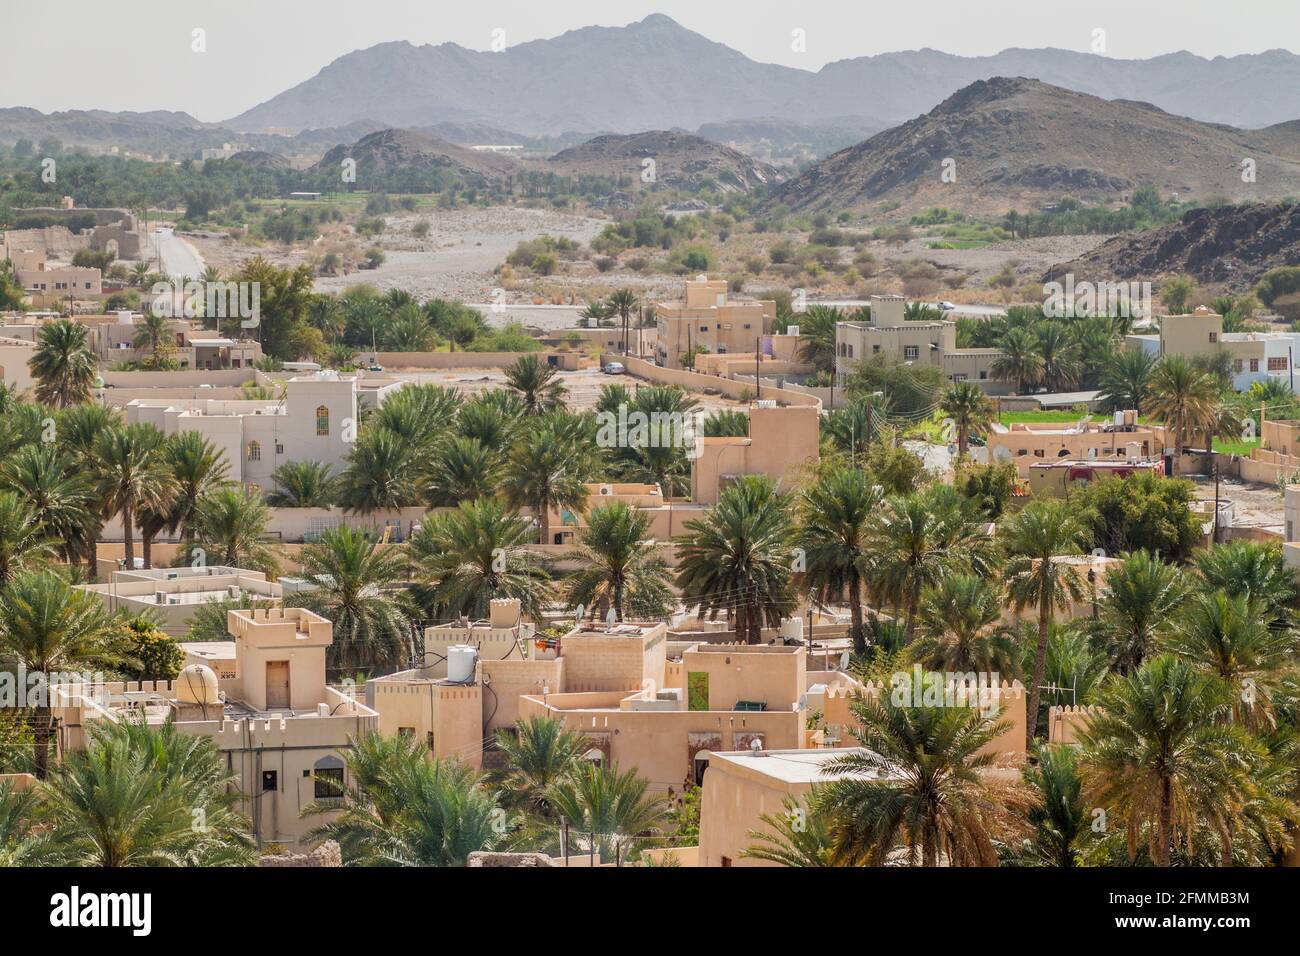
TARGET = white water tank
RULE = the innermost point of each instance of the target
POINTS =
(460, 663)
(792, 629)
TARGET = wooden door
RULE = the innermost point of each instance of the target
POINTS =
(277, 684)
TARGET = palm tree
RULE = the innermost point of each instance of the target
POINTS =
(548, 468)
(797, 836)
(1062, 364)
(493, 418)
(464, 469)
(1184, 398)
(537, 756)
(535, 384)
(1126, 381)
(303, 484)
(1157, 755)
(61, 497)
(48, 626)
(1137, 606)
(407, 810)
(1229, 637)
(132, 797)
(917, 786)
(737, 558)
(817, 336)
(62, 364)
(134, 476)
(727, 423)
(357, 584)
(23, 542)
(918, 540)
(380, 474)
(153, 335)
(850, 429)
(956, 626)
(609, 812)
(1020, 361)
(1033, 539)
(1253, 569)
(970, 410)
(624, 302)
(834, 520)
(1058, 814)
(23, 841)
(476, 553)
(198, 467)
(618, 567)
(230, 522)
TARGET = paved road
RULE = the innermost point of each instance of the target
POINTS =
(179, 258)
(980, 311)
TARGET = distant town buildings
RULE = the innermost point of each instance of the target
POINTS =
(707, 320)
(888, 334)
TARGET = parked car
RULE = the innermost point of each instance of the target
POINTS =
(614, 368)
(946, 306)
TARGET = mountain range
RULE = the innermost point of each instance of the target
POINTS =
(656, 74)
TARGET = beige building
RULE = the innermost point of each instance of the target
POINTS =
(888, 334)
(15, 353)
(278, 725)
(1254, 356)
(708, 319)
(782, 442)
(50, 283)
(111, 336)
(171, 595)
(1029, 443)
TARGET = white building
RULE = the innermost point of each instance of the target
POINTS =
(316, 420)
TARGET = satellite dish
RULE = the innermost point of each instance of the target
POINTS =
(611, 617)
(580, 613)
(844, 661)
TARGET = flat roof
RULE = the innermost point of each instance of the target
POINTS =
(796, 766)
(214, 650)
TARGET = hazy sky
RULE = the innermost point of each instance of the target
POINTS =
(137, 53)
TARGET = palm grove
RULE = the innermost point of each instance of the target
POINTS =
(1187, 656)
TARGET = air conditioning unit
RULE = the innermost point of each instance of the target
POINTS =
(160, 597)
(233, 590)
(766, 403)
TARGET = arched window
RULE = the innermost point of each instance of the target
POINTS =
(322, 420)
(328, 774)
(254, 451)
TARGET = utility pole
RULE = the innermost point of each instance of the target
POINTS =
(1213, 458)
(758, 358)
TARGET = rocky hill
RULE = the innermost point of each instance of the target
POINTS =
(1017, 143)
(1231, 246)
(681, 161)
(393, 150)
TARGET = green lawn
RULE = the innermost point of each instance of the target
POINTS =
(1041, 417)
(1235, 447)
(1057, 417)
